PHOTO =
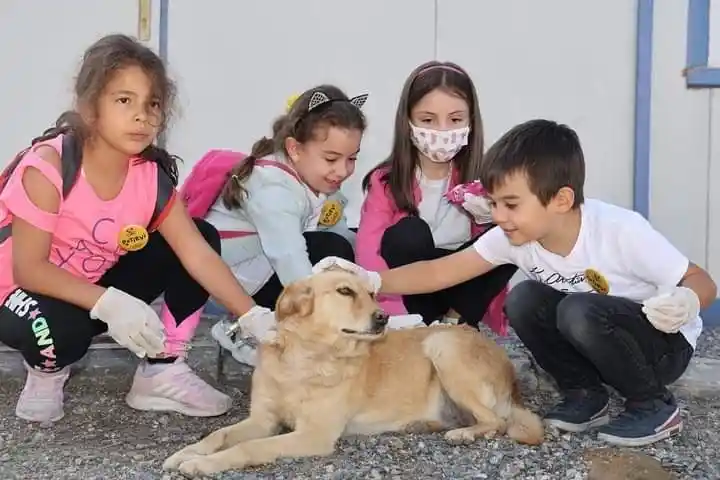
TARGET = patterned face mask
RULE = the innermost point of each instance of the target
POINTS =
(439, 145)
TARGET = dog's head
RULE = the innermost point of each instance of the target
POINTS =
(331, 306)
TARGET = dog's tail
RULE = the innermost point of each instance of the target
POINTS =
(523, 425)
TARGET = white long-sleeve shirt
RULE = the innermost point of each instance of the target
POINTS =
(280, 209)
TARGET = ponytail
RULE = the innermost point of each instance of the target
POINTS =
(166, 162)
(233, 190)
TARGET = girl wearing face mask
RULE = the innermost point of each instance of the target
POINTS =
(407, 217)
(281, 210)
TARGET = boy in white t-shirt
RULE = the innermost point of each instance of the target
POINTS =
(610, 300)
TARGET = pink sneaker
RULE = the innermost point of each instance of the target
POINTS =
(41, 400)
(175, 387)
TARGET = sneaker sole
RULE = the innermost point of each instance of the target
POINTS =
(640, 441)
(30, 418)
(578, 427)
(158, 404)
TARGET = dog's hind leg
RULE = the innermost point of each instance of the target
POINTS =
(461, 383)
(253, 427)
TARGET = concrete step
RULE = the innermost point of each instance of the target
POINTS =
(105, 354)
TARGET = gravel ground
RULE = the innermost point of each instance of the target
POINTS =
(102, 438)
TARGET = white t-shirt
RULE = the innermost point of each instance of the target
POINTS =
(450, 227)
(619, 244)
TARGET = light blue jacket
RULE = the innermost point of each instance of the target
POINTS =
(280, 209)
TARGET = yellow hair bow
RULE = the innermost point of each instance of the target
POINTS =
(291, 101)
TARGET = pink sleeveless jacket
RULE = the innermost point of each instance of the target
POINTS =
(86, 229)
(379, 212)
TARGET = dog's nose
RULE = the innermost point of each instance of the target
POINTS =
(380, 318)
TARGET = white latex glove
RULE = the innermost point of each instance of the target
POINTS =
(479, 207)
(327, 263)
(671, 310)
(410, 320)
(131, 322)
(258, 323)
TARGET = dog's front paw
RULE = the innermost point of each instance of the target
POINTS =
(200, 467)
(466, 436)
(174, 461)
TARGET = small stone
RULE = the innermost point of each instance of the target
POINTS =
(396, 443)
(496, 458)
(612, 464)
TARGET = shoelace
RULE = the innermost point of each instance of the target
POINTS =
(634, 411)
(570, 405)
(232, 331)
(189, 383)
(189, 378)
(573, 402)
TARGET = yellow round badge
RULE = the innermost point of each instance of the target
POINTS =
(331, 213)
(133, 238)
(597, 281)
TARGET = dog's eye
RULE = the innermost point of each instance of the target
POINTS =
(347, 291)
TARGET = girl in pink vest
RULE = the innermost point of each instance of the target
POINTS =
(407, 216)
(90, 234)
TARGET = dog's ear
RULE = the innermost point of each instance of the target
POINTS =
(296, 300)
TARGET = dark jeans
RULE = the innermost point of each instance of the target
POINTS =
(51, 334)
(410, 240)
(320, 244)
(586, 339)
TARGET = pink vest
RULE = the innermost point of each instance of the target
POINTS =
(379, 212)
(86, 229)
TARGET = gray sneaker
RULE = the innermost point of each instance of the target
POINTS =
(580, 410)
(244, 350)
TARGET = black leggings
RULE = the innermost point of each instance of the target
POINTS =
(584, 340)
(52, 334)
(320, 244)
(410, 240)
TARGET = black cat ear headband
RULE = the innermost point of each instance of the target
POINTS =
(319, 98)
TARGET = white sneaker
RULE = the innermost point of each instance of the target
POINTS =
(41, 400)
(175, 387)
(241, 351)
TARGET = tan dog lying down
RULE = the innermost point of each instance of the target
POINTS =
(333, 370)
